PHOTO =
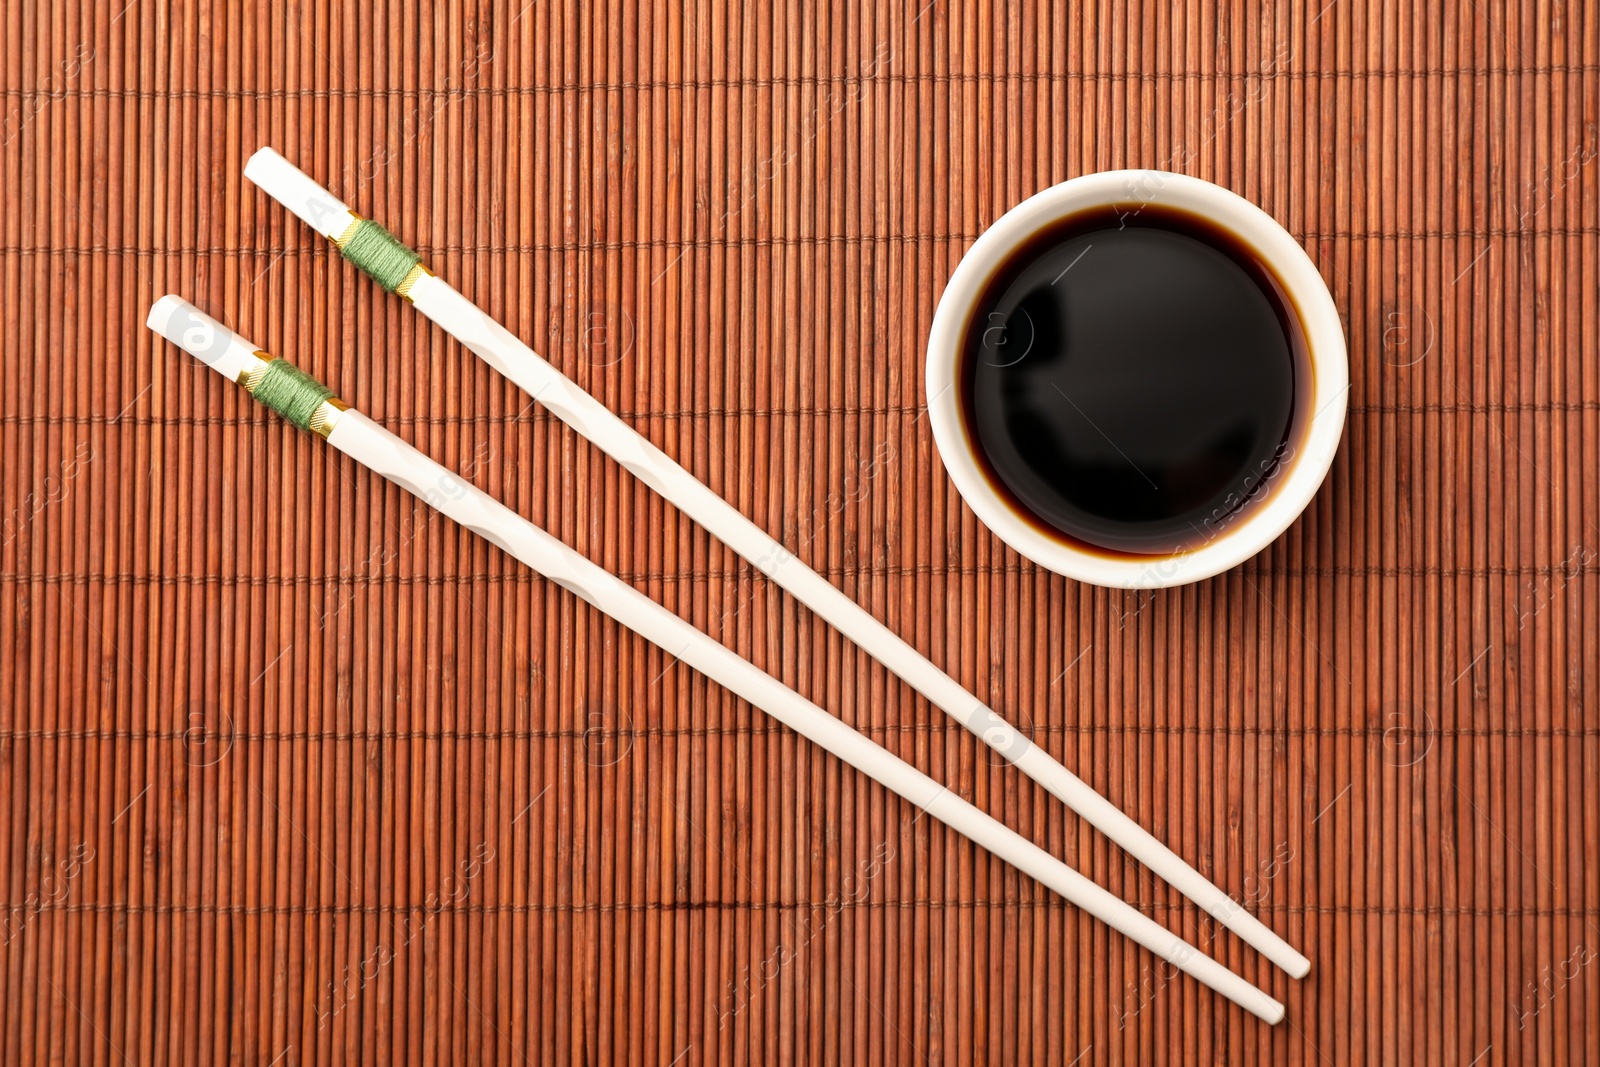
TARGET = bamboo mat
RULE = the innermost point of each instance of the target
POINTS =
(296, 772)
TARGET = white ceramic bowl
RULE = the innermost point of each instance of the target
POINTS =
(1290, 492)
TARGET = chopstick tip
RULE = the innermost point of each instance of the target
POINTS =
(162, 311)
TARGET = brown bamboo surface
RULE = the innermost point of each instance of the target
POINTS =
(295, 771)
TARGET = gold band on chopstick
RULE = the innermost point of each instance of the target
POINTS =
(349, 231)
(414, 275)
(326, 417)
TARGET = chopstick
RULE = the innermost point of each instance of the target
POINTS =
(305, 402)
(400, 270)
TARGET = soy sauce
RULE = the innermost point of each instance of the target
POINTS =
(1133, 381)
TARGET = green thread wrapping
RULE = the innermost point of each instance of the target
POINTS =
(291, 392)
(379, 253)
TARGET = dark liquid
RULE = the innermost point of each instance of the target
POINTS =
(1134, 382)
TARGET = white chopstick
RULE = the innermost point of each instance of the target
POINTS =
(382, 452)
(437, 300)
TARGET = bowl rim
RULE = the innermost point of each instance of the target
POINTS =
(1309, 296)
